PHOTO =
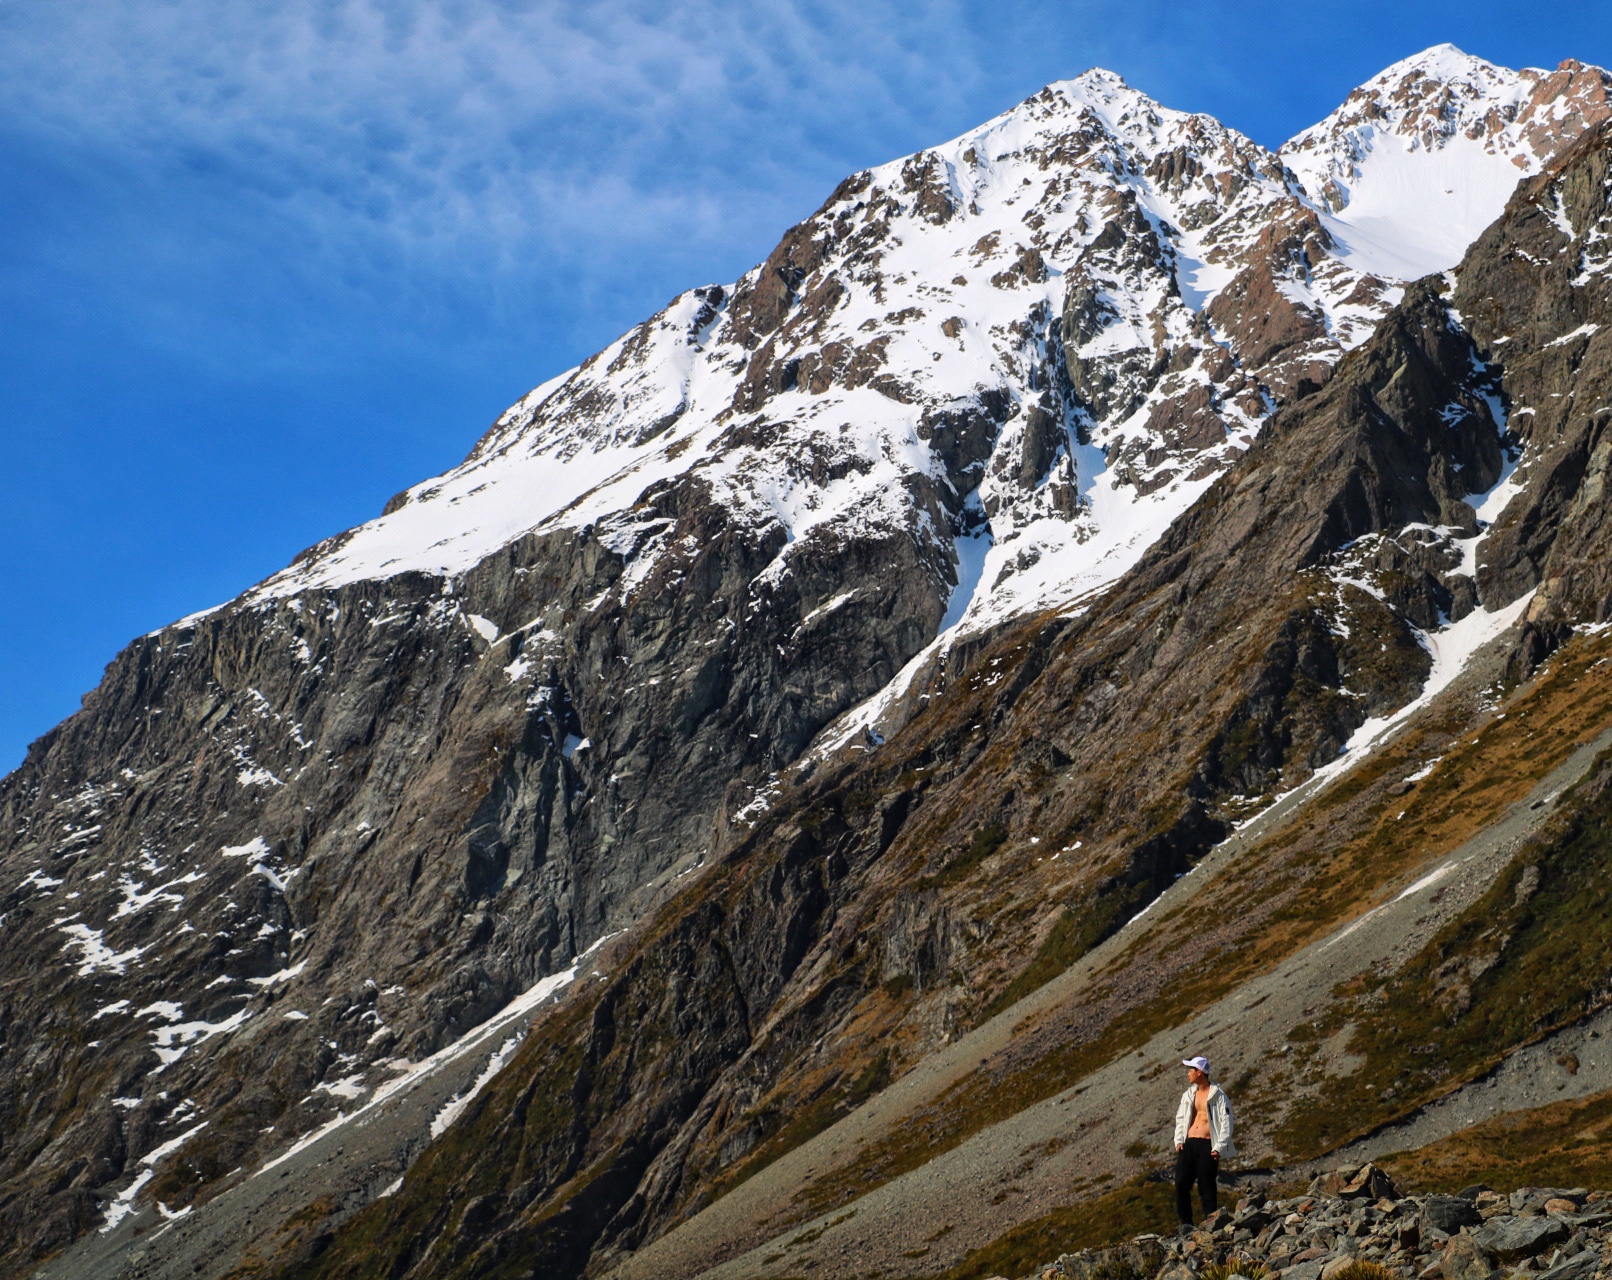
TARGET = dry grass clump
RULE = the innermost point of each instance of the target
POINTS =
(1253, 1269)
(1567, 1142)
(1529, 956)
(1110, 1219)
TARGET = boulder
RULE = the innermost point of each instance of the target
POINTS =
(1448, 1214)
(1464, 1259)
(1530, 1199)
(1331, 1184)
(1370, 1183)
(1491, 1203)
(1581, 1266)
(1141, 1258)
(1138, 1260)
(1512, 1239)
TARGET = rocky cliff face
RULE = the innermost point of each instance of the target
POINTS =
(296, 843)
(895, 896)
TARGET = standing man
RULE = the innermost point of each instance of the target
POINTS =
(1202, 1138)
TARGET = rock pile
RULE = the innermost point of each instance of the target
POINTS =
(1354, 1224)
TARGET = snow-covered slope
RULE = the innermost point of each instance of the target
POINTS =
(928, 288)
(1421, 158)
(1028, 349)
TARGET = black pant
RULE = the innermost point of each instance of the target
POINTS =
(1195, 1163)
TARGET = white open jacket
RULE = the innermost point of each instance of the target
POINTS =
(1220, 1121)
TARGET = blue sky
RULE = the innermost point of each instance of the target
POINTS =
(263, 264)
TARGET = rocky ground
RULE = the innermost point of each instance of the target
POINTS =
(1356, 1216)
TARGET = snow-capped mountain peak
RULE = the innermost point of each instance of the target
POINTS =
(442, 753)
(1423, 156)
(913, 335)
(1025, 350)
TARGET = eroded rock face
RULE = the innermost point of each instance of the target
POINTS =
(1545, 321)
(307, 842)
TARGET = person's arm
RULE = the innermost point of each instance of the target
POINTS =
(1220, 1106)
(1183, 1117)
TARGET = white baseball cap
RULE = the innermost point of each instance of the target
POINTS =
(1201, 1062)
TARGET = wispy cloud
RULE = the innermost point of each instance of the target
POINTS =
(396, 146)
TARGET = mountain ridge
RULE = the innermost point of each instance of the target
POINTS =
(439, 756)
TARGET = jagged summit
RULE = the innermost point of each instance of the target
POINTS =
(973, 228)
(1424, 101)
(918, 284)
(1126, 111)
(931, 284)
(1446, 64)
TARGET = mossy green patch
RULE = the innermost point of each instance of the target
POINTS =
(984, 842)
(814, 1118)
(1074, 934)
